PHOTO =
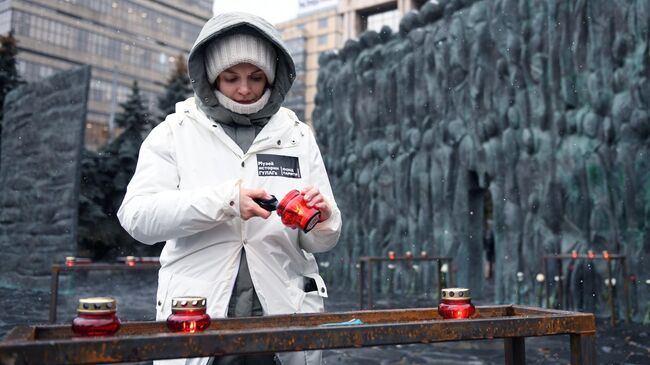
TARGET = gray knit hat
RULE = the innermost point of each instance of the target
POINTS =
(234, 49)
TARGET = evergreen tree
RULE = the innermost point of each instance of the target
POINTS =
(178, 88)
(9, 77)
(135, 114)
(105, 175)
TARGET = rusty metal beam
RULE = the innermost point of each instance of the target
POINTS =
(103, 266)
(139, 341)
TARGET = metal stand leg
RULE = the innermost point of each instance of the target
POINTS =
(610, 287)
(54, 293)
(546, 284)
(361, 283)
(515, 350)
(583, 349)
(626, 294)
(370, 284)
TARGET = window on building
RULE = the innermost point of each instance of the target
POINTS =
(390, 18)
(322, 22)
(322, 40)
(5, 22)
(32, 71)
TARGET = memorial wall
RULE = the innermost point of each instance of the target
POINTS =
(522, 117)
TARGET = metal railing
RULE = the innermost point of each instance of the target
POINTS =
(142, 341)
(129, 264)
(591, 256)
(368, 262)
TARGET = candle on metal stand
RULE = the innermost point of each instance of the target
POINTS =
(188, 315)
(456, 303)
(96, 317)
(70, 261)
(74, 261)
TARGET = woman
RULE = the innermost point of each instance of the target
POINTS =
(199, 171)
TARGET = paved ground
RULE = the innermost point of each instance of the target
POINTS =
(624, 344)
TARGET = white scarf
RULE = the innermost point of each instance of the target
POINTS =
(240, 108)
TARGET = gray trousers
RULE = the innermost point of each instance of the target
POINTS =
(244, 303)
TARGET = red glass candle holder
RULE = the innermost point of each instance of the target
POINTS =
(73, 261)
(70, 261)
(456, 303)
(606, 255)
(295, 213)
(423, 254)
(574, 254)
(188, 315)
(591, 254)
(408, 254)
(391, 255)
(130, 260)
(96, 317)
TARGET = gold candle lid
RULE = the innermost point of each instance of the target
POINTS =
(188, 303)
(70, 258)
(455, 294)
(97, 305)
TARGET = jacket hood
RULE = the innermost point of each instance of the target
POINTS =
(224, 24)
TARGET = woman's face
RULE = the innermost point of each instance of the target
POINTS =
(243, 83)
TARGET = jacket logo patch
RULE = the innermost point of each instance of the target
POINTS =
(277, 165)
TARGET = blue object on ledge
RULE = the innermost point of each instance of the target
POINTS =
(346, 323)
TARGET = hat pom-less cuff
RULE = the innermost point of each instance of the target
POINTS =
(225, 52)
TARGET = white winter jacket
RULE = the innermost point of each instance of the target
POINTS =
(185, 191)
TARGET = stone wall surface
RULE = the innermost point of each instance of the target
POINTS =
(531, 113)
(42, 140)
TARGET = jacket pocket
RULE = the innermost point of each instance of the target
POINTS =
(319, 283)
(312, 303)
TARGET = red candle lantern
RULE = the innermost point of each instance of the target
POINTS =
(293, 210)
(423, 254)
(591, 254)
(408, 254)
(606, 255)
(96, 317)
(391, 255)
(574, 254)
(456, 303)
(130, 260)
(70, 261)
(188, 315)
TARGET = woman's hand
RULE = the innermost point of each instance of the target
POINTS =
(248, 208)
(314, 198)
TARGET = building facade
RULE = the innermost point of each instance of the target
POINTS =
(358, 16)
(325, 25)
(123, 41)
(307, 36)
